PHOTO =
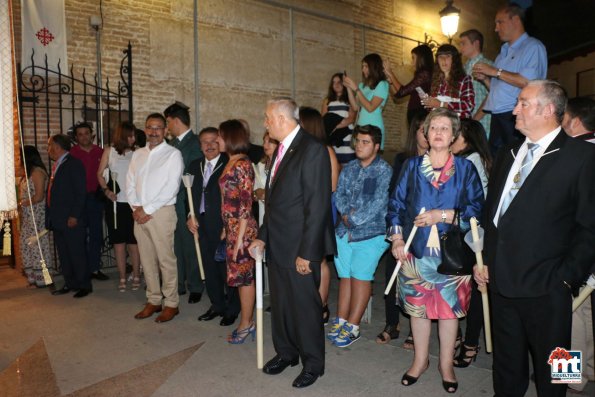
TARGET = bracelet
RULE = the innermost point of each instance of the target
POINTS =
(443, 216)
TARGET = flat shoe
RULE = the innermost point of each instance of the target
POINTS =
(305, 379)
(167, 314)
(276, 365)
(148, 311)
(389, 333)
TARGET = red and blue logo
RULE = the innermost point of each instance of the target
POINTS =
(566, 365)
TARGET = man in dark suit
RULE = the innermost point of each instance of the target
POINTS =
(540, 228)
(64, 216)
(206, 195)
(178, 124)
(298, 232)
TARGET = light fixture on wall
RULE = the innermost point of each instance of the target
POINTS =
(449, 19)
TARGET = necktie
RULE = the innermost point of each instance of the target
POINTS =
(49, 195)
(520, 177)
(278, 160)
(205, 180)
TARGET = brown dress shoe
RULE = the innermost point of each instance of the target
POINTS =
(147, 311)
(167, 314)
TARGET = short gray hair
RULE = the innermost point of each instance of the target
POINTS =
(287, 106)
(551, 92)
(455, 121)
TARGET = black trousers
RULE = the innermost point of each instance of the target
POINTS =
(70, 243)
(296, 310)
(216, 280)
(535, 325)
(474, 317)
(502, 131)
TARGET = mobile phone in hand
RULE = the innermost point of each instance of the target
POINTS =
(421, 92)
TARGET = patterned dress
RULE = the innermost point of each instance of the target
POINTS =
(30, 253)
(236, 183)
(422, 291)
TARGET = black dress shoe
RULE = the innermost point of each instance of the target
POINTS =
(82, 293)
(194, 297)
(61, 291)
(209, 315)
(305, 379)
(276, 365)
(98, 275)
(227, 320)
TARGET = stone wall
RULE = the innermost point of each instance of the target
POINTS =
(245, 49)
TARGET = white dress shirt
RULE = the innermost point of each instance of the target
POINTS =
(518, 160)
(181, 136)
(154, 176)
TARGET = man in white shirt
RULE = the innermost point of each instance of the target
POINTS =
(152, 184)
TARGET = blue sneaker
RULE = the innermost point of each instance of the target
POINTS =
(335, 329)
(346, 336)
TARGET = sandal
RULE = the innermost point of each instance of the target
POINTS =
(122, 285)
(389, 333)
(135, 283)
(408, 344)
(463, 360)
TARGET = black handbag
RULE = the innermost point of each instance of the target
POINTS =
(457, 257)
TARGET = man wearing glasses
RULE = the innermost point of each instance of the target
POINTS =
(152, 185)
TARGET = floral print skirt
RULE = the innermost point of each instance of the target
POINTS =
(425, 293)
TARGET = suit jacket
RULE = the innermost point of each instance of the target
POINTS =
(212, 224)
(190, 148)
(68, 194)
(297, 219)
(546, 238)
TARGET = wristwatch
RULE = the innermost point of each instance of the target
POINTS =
(498, 73)
(443, 216)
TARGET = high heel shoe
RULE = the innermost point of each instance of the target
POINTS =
(122, 285)
(238, 337)
(326, 314)
(449, 387)
(135, 283)
(463, 360)
(412, 379)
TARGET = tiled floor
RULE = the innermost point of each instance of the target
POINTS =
(56, 345)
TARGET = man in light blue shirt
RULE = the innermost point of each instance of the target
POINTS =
(522, 58)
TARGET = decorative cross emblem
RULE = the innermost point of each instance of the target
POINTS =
(44, 36)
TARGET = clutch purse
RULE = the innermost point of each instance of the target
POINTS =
(220, 252)
(457, 257)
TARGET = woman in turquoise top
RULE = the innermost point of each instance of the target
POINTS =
(371, 94)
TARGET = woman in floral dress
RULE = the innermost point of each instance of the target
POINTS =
(440, 183)
(37, 176)
(240, 227)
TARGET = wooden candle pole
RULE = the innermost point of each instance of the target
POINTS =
(188, 179)
(398, 267)
(484, 291)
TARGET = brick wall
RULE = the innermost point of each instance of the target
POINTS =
(244, 49)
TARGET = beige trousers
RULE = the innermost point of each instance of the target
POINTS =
(156, 246)
(582, 339)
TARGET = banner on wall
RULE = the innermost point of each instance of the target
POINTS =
(44, 31)
(8, 199)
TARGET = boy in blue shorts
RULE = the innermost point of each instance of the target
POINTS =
(362, 199)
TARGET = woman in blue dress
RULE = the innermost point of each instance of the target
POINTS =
(369, 97)
(440, 183)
